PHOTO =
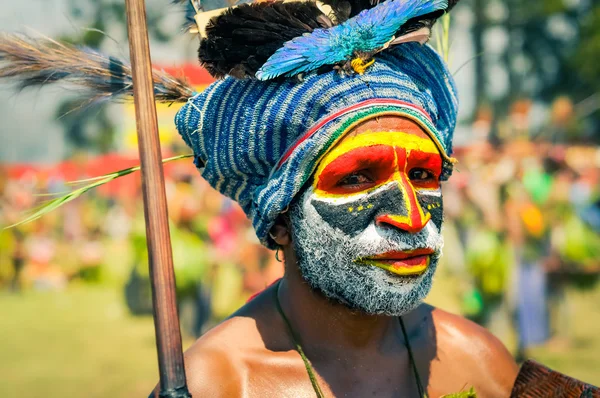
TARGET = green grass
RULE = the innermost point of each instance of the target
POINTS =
(581, 357)
(83, 343)
(77, 343)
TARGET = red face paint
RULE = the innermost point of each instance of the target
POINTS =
(377, 161)
(368, 161)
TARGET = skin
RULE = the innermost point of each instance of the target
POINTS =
(354, 354)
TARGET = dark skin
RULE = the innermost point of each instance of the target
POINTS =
(354, 354)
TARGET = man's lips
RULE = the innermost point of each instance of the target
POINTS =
(406, 263)
(403, 255)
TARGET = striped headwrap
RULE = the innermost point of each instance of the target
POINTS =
(259, 142)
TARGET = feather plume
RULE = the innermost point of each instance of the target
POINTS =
(367, 33)
(244, 41)
(346, 9)
(425, 21)
(36, 62)
(191, 8)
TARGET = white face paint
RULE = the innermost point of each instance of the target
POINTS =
(327, 258)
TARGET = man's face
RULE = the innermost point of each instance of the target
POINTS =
(367, 231)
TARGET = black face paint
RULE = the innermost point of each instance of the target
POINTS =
(354, 217)
(434, 205)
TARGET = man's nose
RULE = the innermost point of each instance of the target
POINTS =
(409, 224)
(410, 217)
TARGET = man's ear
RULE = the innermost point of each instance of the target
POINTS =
(280, 232)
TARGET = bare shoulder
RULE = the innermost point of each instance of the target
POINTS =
(484, 359)
(213, 365)
(212, 368)
(217, 363)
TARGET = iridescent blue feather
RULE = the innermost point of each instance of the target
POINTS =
(368, 31)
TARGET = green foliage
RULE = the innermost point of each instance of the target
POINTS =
(463, 394)
(588, 49)
(442, 37)
(551, 48)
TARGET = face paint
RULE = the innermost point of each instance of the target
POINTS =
(389, 177)
(367, 232)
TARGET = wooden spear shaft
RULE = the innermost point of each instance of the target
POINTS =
(166, 320)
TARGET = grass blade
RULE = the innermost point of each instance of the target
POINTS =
(93, 182)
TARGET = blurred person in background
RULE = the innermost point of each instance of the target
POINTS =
(529, 235)
(18, 260)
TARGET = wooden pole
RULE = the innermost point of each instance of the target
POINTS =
(166, 320)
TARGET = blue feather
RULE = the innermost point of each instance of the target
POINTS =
(368, 31)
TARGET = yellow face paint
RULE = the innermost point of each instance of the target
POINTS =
(389, 153)
(412, 270)
(375, 177)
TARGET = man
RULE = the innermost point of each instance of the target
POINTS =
(346, 284)
(333, 131)
(342, 173)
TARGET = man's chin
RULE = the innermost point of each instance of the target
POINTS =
(373, 290)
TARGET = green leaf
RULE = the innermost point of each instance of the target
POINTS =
(94, 182)
(463, 394)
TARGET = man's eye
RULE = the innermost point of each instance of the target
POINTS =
(420, 175)
(355, 179)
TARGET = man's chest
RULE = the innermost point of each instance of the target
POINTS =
(286, 376)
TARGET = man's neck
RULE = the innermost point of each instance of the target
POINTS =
(325, 325)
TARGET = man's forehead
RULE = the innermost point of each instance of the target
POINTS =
(388, 130)
(388, 123)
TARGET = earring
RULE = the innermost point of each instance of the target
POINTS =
(277, 255)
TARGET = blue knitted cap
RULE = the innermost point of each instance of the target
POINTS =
(259, 142)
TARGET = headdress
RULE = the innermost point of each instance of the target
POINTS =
(259, 142)
(296, 78)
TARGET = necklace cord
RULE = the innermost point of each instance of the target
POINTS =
(307, 365)
(422, 392)
(295, 339)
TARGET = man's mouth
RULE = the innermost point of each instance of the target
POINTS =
(406, 263)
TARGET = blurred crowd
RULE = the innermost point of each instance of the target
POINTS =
(522, 225)
(100, 238)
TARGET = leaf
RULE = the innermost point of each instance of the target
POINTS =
(442, 38)
(463, 394)
(94, 182)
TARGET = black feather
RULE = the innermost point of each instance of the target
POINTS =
(345, 9)
(239, 41)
